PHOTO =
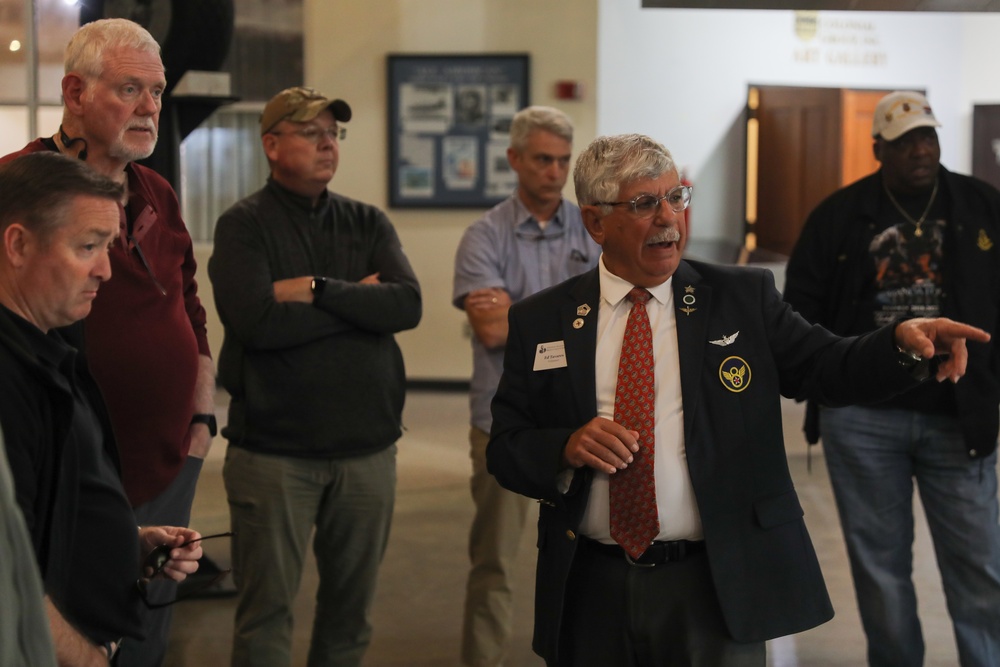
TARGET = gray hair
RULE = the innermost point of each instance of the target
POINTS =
(85, 52)
(36, 190)
(609, 163)
(548, 119)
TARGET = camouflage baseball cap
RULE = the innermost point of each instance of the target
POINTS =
(300, 104)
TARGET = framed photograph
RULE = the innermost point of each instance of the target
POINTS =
(449, 128)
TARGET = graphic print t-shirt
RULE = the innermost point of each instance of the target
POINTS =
(906, 269)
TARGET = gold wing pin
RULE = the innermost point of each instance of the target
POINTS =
(984, 242)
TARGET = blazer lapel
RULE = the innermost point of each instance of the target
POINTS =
(578, 319)
(692, 302)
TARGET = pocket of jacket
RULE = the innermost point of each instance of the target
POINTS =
(776, 510)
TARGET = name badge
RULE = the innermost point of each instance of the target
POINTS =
(550, 355)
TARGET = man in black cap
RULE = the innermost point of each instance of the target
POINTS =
(310, 287)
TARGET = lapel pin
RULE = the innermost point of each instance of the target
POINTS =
(984, 242)
(578, 323)
(583, 310)
(688, 300)
(725, 340)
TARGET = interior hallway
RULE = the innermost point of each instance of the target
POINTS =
(421, 587)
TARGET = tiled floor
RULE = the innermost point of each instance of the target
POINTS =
(418, 608)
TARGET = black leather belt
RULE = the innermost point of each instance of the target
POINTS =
(657, 553)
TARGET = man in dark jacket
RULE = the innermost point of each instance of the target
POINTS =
(310, 287)
(58, 219)
(912, 240)
(669, 531)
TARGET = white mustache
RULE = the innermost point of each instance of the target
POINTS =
(668, 235)
(143, 126)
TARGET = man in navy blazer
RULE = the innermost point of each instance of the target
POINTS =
(732, 564)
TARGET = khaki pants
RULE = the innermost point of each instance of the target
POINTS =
(274, 503)
(494, 539)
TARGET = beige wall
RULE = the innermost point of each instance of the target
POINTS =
(346, 45)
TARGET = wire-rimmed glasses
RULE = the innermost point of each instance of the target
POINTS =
(313, 134)
(645, 205)
(158, 559)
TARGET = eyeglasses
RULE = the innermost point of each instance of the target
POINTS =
(644, 206)
(132, 233)
(158, 559)
(145, 262)
(551, 232)
(313, 134)
(545, 161)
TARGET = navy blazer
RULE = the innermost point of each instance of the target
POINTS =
(762, 561)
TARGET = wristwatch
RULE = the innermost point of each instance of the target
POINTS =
(918, 367)
(208, 420)
(317, 286)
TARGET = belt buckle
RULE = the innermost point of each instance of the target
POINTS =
(634, 563)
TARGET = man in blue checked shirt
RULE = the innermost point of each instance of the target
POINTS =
(532, 240)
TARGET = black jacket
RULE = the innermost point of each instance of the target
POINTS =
(763, 564)
(319, 380)
(825, 280)
(86, 543)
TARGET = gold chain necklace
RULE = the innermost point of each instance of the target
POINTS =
(916, 223)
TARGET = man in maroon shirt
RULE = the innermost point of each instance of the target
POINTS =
(145, 338)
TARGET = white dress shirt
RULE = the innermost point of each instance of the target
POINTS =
(675, 501)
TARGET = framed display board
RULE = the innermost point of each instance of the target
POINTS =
(449, 128)
(986, 143)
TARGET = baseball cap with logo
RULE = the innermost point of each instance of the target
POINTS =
(300, 104)
(898, 113)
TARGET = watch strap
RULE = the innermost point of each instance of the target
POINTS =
(317, 286)
(208, 420)
(918, 367)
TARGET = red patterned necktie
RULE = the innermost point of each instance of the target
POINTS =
(634, 519)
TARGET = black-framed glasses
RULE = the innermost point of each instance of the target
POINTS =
(677, 199)
(313, 134)
(158, 559)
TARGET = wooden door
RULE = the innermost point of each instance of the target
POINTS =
(808, 143)
(857, 111)
(798, 160)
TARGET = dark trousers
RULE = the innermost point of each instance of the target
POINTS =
(170, 508)
(663, 616)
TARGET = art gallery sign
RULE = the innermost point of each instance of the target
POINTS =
(832, 38)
